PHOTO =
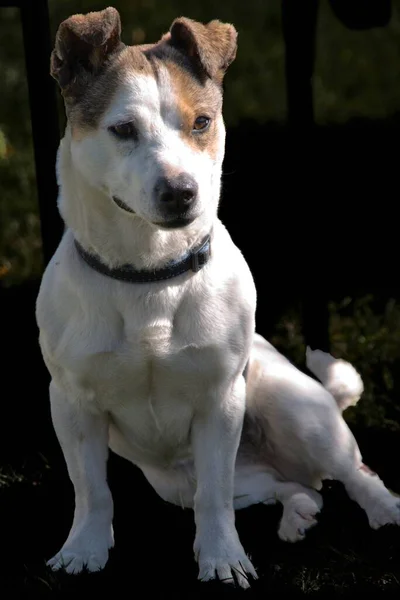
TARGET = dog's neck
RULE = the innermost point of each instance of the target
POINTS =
(116, 236)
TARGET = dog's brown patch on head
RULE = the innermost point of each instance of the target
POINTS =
(197, 57)
(89, 61)
(85, 114)
(195, 99)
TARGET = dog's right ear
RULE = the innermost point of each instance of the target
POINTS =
(83, 45)
(211, 46)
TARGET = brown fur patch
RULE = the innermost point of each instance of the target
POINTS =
(213, 46)
(197, 93)
(87, 112)
(195, 100)
(89, 62)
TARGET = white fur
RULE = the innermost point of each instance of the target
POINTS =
(154, 371)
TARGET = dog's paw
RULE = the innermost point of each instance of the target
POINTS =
(224, 559)
(88, 550)
(385, 511)
(299, 515)
(74, 561)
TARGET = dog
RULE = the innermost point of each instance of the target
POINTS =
(146, 312)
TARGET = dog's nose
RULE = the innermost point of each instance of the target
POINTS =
(176, 195)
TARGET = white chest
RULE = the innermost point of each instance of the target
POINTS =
(149, 368)
(149, 356)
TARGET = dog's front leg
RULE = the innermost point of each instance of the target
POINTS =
(83, 437)
(215, 437)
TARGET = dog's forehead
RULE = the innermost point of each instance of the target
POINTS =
(142, 88)
(146, 81)
(158, 82)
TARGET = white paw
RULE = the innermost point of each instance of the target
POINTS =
(385, 511)
(223, 557)
(83, 551)
(299, 515)
(74, 561)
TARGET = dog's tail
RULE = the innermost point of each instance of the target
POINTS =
(337, 376)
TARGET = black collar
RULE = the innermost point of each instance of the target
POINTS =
(194, 260)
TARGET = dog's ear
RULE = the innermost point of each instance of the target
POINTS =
(83, 45)
(212, 46)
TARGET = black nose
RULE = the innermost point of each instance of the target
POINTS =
(176, 195)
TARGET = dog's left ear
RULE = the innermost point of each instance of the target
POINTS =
(212, 46)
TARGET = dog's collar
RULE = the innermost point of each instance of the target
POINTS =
(194, 260)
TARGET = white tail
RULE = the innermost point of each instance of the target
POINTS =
(337, 376)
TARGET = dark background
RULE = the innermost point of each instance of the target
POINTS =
(310, 189)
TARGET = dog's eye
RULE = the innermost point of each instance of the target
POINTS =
(201, 123)
(124, 131)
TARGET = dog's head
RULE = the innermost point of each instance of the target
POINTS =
(146, 121)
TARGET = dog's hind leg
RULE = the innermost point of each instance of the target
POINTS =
(295, 424)
(83, 437)
(300, 504)
(362, 485)
(369, 491)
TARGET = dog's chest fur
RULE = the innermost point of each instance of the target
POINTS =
(147, 355)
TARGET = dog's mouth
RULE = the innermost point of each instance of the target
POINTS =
(177, 223)
(122, 205)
